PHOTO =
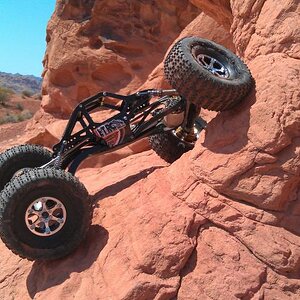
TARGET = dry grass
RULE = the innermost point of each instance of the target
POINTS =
(5, 95)
(14, 118)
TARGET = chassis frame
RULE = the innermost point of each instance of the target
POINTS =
(136, 117)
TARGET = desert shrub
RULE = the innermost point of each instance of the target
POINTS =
(26, 93)
(37, 96)
(20, 107)
(5, 95)
(8, 119)
(25, 115)
(14, 118)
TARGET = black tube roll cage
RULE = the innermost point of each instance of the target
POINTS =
(136, 119)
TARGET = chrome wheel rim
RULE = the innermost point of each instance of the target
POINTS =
(45, 216)
(212, 65)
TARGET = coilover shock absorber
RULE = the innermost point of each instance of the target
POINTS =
(186, 131)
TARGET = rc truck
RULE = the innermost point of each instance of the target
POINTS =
(45, 212)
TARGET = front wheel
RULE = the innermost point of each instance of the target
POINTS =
(207, 74)
(44, 214)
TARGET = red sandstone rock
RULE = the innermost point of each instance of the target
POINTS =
(221, 268)
(219, 10)
(222, 221)
(89, 51)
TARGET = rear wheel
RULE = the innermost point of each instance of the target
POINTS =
(44, 214)
(18, 158)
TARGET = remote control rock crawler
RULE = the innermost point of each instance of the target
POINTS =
(45, 212)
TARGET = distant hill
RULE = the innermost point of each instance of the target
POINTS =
(19, 83)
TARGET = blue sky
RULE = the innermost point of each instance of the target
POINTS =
(22, 35)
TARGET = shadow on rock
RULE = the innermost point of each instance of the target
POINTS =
(117, 187)
(47, 274)
(228, 132)
(190, 265)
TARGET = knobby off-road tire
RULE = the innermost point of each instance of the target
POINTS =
(169, 147)
(208, 74)
(44, 191)
(21, 157)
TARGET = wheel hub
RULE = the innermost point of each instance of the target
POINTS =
(212, 65)
(45, 216)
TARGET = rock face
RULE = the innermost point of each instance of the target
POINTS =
(222, 222)
(106, 45)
